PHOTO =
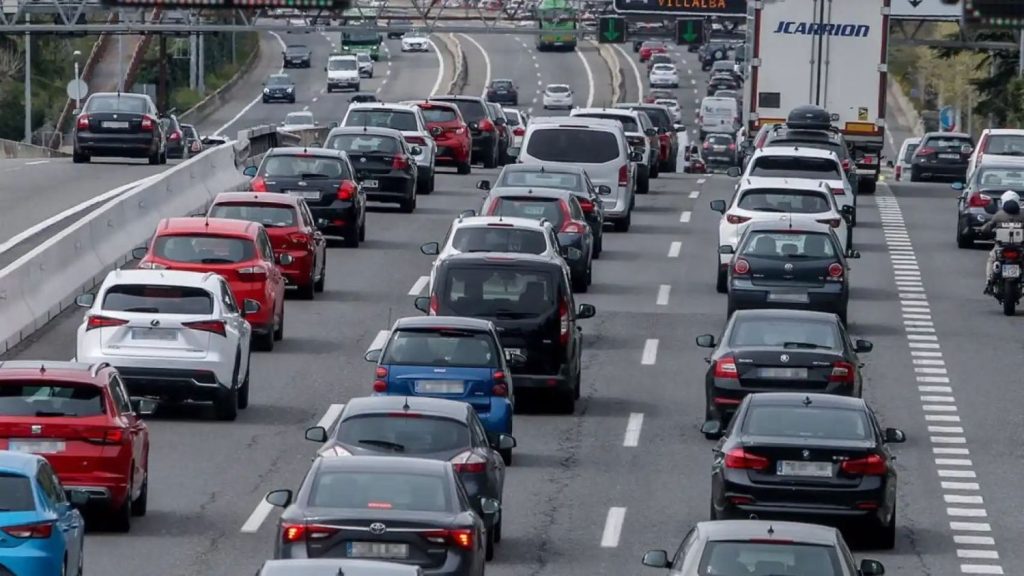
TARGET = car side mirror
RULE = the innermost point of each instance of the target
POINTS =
(515, 360)
(656, 559)
(316, 434)
(651, 132)
(250, 171)
(863, 346)
(333, 125)
(140, 252)
(279, 498)
(635, 156)
(483, 185)
(957, 185)
(571, 253)
(77, 498)
(143, 406)
(719, 206)
(712, 429)
(430, 248)
(889, 163)
(871, 568)
(85, 300)
(604, 190)
(467, 213)
(733, 172)
(489, 506)
(895, 436)
(505, 442)
(250, 307)
(726, 249)
(436, 131)
(706, 341)
(415, 150)
(372, 355)
(852, 254)
(680, 127)
(76, 112)
(422, 303)
(586, 311)
(662, 131)
(847, 211)
(322, 223)
(285, 259)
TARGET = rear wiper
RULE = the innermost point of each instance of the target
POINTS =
(384, 444)
(311, 175)
(149, 309)
(772, 210)
(272, 225)
(799, 256)
(44, 413)
(807, 345)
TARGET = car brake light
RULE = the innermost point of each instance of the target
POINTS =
(734, 219)
(175, 136)
(462, 538)
(979, 200)
(1010, 254)
(346, 190)
(152, 266)
(103, 322)
(380, 384)
(291, 533)
(563, 322)
(868, 159)
(725, 367)
(83, 122)
(417, 140)
(469, 463)
(433, 305)
(212, 326)
(148, 123)
(518, 131)
(838, 191)
(871, 465)
(586, 205)
(252, 273)
(899, 171)
(40, 530)
(624, 175)
(707, 145)
(400, 163)
(833, 222)
(924, 151)
(111, 436)
(740, 459)
(842, 372)
(835, 270)
(258, 184)
(846, 164)
(741, 267)
(732, 146)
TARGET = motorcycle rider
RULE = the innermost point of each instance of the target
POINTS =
(1009, 211)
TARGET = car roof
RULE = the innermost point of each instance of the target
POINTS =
(557, 169)
(453, 409)
(947, 135)
(782, 314)
(503, 258)
(802, 184)
(911, 140)
(462, 322)
(1004, 132)
(160, 277)
(215, 226)
(576, 122)
(341, 57)
(336, 566)
(800, 398)
(797, 150)
(385, 464)
(724, 530)
(19, 462)
(506, 221)
(382, 105)
(279, 75)
(256, 198)
(998, 161)
(119, 95)
(506, 191)
(610, 111)
(371, 130)
(775, 226)
(456, 97)
(59, 370)
(305, 151)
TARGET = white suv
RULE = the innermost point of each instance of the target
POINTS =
(638, 132)
(171, 334)
(409, 121)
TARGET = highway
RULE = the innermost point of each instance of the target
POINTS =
(588, 494)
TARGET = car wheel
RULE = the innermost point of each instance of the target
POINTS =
(579, 282)
(506, 456)
(465, 168)
(497, 531)
(598, 245)
(265, 100)
(154, 158)
(279, 329)
(489, 553)
(306, 291)
(643, 185)
(654, 170)
(322, 280)
(492, 159)
(264, 342)
(408, 205)
(359, 87)
(673, 162)
(885, 535)
(624, 224)
(565, 402)
(721, 284)
(329, 90)
(121, 521)
(422, 186)
(914, 175)
(80, 158)
(140, 504)
(226, 405)
(362, 229)
(867, 186)
(243, 390)
(352, 237)
(963, 240)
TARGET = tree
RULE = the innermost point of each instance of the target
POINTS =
(995, 90)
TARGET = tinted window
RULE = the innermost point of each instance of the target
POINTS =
(1003, 178)
(501, 84)
(365, 144)
(816, 144)
(788, 245)
(561, 181)
(807, 422)
(46, 398)
(506, 292)
(796, 167)
(279, 81)
(305, 167)
(1007, 144)
(190, 131)
(448, 347)
(16, 493)
(297, 49)
(438, 114)
(628, 124)
(908, 154)
(784, 201)
(495, 239)
(659, 117)
(204, 249)
(742, 558)
(415, 435)
(558, 89)
(342, 64)
(533, 208)
(574, 145)
(472, 110)
(380, 491)
(299, 118)
(781, 332)
(719, 139)
(396, 119)
(512, 118)
(947, 142)
(269, 216)
(158, 299)
(123, 103)
(664, 68)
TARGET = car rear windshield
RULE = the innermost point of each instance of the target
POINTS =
(573, 145)
(659, 118)
(802, 422)
(628, 124)
(439, 114)
(123, 103)
(719, 107)
(528, 207)
(201, 249)
(297, 49)
(806, 245)
(498, 239)
(380, 491)
(398, 433)
(735, 558)
(268, 215)
(365, 144)
(512, 118)
(158, 299)
(796, 167)
(501, 84)
(401, 120)
(299, 118)
(499, 292)
(767, 200)
(340, 64)
(442, 347)
(816, 144)
(561, 181)
(304, 167)
(472, 110)
(16, 493)
(664, 68)
(558, 89)
(785, 333)
(1002, 178)
(47, 398)
(1005, 144)
(946, 142)
(719, 139)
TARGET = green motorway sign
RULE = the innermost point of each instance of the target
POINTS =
(689, 31)
(611, 30)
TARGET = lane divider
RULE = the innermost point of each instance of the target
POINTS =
(487, 63)
(636, 72)
(611, 60)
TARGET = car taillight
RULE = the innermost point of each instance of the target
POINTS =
(40, 530)
(737, 458)
(486, 126)
(500, 387)
(846, 164)
(300, 238)
(462, 538)
(1010, 254)
(586, 205)
(571, 227)
(469, 463)
(833, 222)
(707, 145)
(175, 136)
(868, 159)
(924, 151)
(380, 384)
(252, 274)
(734, 219)
(842, 372)
(148, 123)
(258, 184)
(725, 367)
(152, 266)
(741, 267)
(519, 131)
(433, 305)
(400, 163)
(563, 322)
(83, 122)
(835, 271)
(212, 326)
(872, 465)
(732, 146)
(624, 175)
(899, 171)
(417, 140)
(97, 321)
(840, 191)
(112, 436)
(979, 200)
(292, 533)
(346, 190)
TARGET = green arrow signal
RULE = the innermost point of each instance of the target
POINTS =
(611, 32)
(690, 35)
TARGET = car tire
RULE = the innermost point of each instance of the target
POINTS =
(422, 186)
(673, 163)
(489, 552)
(497, 530)
(154, 158)
(408, 205)
(962, 240)
(362, 229)
(265, 100)
(914, 175)
(321, 282)
(140, 504)
(352, 238)
(624, 224)
(263, 342)
(506, 456)
(329, 89)
(121, 521)
(885, 534)
(279, 329)
(867, 186)
(307, 291)
(643, 184)
(722, 282)
(654, 170)
(80, 158)
(226, 405)
(492, 159)
(579, 283)
(565, 402)
(243, 390)
(465, 168)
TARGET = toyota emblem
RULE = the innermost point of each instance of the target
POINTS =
(784, 358)
(154, 323)
(806, 454)
(788, 267)
(378, 528)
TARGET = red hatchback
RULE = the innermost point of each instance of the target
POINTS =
(449, 129)
(648, 49)
(239, 251)
(81, 419)
(292, 230)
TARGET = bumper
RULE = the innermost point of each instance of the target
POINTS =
(737, 497)
(971, 223)
(559, 382)
(664, 82)
(828, 298)
(342, 217)
(725, 394)
(342, 83)
(418, 47)
(557, 103)
(483, 143)
(503, 98)
(391, 189)
(296, 63)
(124, 145)
(615, 208)
(366, 72)
(937, 169)
(177, 384)
(32, 559)
(497, 416)
(279, 97)
(107, 492)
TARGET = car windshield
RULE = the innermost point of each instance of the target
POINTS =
(989, 178)
(16, 493)
(573, 145)
(297, 49)
(796, 167)
(365, 144)
(628, 124)
(380, 491)
(279, 81)
(200, 249)
(523, 179)
(667, 102)
(1005, 144)
(472, 110)
(438, 114)
(782, 200)
(157, 299)
(304, 167)
(502, 293)
(47, 398)
(737, 558)
(341, 64)
(787, 245)
(726, 94)
(807, 422)
(442, 347)
(117, 103)
(270, 216)
(190, 131)
(499, 239)
(557, 89)
(529, 207)
(401, 120)
(299, 118)
(421, 435)
(363, 58)
(785, 333)
(512, 118)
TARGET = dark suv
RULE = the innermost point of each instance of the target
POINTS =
(503, 91)
(483, 126)
(831, 139)
(530, 300)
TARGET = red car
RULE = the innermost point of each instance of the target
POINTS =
(81, 419)
(292, 230)
(655, 95)
(239, 251)
(450, 132)
(648, 49)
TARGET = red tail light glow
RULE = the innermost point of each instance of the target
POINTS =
(346, 190)
(252, 274)
(258, 184)
(737, 458)
(835, 271)
(292, 533)
(1010, 254)
(400, 163)
(83, 122)
(735, 219)
(175, 136)
(842, 372)
(846, 164)
(707, 145)
(299, 238)
(732, 146)
(458, 538)
(212, 326)
(572, 227)
(840, 191)
(725, 367)
(469, 463)
(624, 175)
(518, 131)
(586, 205)
(871, 465)
(111, 436)
(979, 200)
(741, 267)
(925, 151)
(563, 322)
(434, 305)
(899, 171)
(148, 123)
(103, 322)
(500, 387)
(486, 125)
(41, 530)
(417, 140)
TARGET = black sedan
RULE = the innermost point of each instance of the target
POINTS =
(723, 82)
(941, 155)
(325, 179)
(297, 56)
(777, 351)
(503, 91)
(119, 125)
(409, 510)
(981, 198)
(813, 457)
(279, 88)
(431, 428)
(789, 267)
(385, 163)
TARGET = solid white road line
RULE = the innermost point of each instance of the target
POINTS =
(487, 63)
(440, 69)
(613, 527)
(418, 287)
(974, 540)
(37, 162)
(249, 106)
(685, 216)
(695, 194)
(590, 77)
(636, 71)
(633, 427)
(663, 292)
(650, 354)
(674, 248)
(981, 569)
(258, 516)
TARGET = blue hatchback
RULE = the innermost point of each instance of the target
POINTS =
(448, 357)
(41, 530)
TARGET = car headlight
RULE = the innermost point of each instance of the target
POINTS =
(266, 90)
(289, 90)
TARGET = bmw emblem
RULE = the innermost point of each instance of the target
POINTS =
(379, 527)
(788, 267)
(806, 454)
(784, 358)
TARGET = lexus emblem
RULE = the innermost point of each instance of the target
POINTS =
(378, 528)
(37, 429)
(154, 323)
(788, 267)
(784, 358)
(806, 454)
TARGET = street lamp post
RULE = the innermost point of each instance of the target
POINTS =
(78, 78)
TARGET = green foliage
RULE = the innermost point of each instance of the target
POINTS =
(999, 93)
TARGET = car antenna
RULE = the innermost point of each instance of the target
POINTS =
(807, 401)
(42, 369)
(405, 406)
(771, 530)
(389, 317)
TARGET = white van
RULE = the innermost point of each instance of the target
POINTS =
(342, 73)
(718, 116)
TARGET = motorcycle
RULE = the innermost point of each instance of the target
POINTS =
(1006, 285)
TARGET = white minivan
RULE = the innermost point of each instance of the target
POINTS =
(718, 116)
(342, 73)
(598, 146)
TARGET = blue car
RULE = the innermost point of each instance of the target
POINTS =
(41, 530)
(448, 357)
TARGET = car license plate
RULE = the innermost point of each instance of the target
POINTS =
(371, 184)
(950, 156)
(783, 373)
(307, 194)
(36, 446)
(377, 550)
(153, 334)
(121, 125)
(439, 386)
(510, 351)
(795, 297)
(1011, 270)
(797, 468)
